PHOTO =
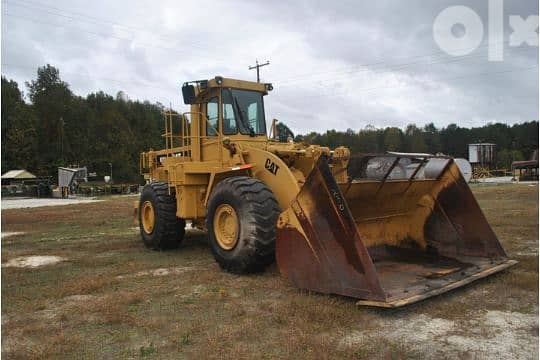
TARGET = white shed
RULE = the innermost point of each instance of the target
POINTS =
(18, 175)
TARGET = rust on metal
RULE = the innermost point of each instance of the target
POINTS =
(388, 238)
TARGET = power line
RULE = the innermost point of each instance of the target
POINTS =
(348, 70)
(92, 19)
(258, 66)
(59, 11)
(438, 79)
(138, 83)
(282, 82)
(393, 68)
(384, 68)
(146, 45)
(309, 96)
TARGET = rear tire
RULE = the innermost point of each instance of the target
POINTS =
(160, 228)
(249, 247)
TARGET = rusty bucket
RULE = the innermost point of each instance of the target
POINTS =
(402, 229)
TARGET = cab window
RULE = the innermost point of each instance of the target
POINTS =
(245, 112)
(229, 114)
(212, 113)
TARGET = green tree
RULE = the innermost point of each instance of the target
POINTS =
(414, 139)
(432, 139)
(505, 157)
(392, 139)
(19, 134)
(59, 127)
(525, 138)
(368, 140)
(50, 98)
(283, 132)
(454, 141)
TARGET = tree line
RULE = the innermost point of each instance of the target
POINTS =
(59, 128)
(51, 126)
(514, 142)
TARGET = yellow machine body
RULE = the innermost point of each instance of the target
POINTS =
(387, 229)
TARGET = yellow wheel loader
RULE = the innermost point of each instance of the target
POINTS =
(387, 229)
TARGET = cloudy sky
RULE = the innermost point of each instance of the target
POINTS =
(334, 64)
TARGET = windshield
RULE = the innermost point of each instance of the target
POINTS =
(243, 110)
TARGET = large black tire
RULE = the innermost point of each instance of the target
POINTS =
(168, 231)
(257, 212)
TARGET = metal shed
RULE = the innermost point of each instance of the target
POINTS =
(66, 176)
(483, 154)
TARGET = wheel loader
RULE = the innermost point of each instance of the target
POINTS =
(387, 229)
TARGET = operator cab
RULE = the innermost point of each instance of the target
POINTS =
(232, 107)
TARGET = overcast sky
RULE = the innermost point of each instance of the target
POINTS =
(334, 64)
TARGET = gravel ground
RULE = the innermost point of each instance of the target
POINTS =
(31, 203)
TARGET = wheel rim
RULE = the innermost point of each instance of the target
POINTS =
(226, 226)
(148, 217)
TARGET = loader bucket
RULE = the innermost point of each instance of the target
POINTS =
(404, 228)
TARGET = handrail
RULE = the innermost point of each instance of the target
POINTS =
(207, 120)
(185, 136)
(218, 137)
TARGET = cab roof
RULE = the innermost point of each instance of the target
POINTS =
(219, 81)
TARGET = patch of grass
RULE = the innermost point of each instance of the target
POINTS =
(380, 348)
(519, 280)
(528, 264)
(57, 345)
(147, 351)
(87, 285)
(205, 312)
(186, 339)
(460, 305)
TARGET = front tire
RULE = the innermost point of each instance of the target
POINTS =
(160, 228)
(241, 222)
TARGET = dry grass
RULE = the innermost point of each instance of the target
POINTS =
(103, 302)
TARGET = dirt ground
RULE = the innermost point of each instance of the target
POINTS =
(77, 282)
(32, 203)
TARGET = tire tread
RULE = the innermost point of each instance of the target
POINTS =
(257, 245)
(169, 230)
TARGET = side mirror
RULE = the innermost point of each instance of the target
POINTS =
(188, 92)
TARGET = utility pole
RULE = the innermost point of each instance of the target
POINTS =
(110, 164)
(62, 138)
(257, 66)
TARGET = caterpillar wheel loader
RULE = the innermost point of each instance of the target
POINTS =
(387, 229)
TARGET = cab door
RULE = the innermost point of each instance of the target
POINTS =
(211, 147)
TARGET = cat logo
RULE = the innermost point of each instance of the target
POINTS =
(271, 166)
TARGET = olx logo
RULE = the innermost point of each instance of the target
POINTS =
(459, 30)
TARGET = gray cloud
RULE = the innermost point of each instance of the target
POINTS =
(336, 65)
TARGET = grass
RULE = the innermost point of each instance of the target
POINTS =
(104, 302)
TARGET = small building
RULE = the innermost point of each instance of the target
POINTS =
(69, 178)
(482, 155)
(526, 170)
(24, 183)
(17, 177)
